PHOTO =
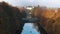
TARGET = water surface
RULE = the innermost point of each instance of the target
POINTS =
(29, 29)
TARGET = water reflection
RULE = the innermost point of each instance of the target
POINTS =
(29, 29)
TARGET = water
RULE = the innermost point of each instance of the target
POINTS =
(29, 29)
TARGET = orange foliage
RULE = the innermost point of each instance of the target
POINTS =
(49, 19)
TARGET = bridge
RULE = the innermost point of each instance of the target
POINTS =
(29, 20)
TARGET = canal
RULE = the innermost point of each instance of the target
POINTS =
(29, 23)
(29, 29)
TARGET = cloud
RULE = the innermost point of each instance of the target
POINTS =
(48, 3)
(22, 2)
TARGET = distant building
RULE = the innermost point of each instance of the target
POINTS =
(28, 10)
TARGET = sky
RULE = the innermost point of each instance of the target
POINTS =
(47, 3)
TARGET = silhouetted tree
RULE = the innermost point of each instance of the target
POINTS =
(10, 19)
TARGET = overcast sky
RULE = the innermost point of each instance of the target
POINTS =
(48, 3)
